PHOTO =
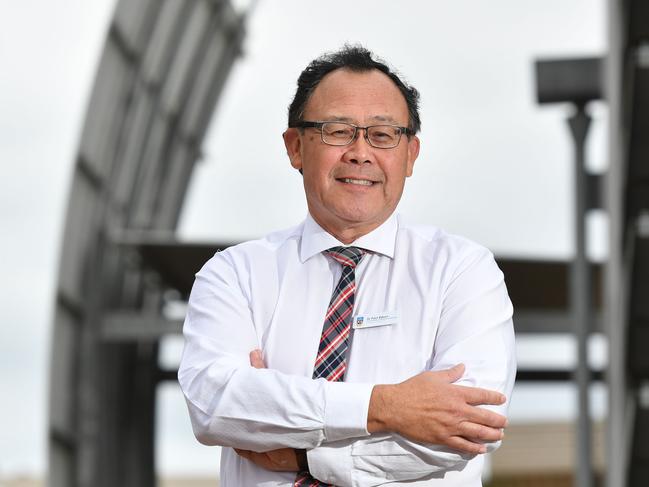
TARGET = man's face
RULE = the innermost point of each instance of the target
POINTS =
(352, 189)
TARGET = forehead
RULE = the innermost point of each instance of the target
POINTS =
(358, 96)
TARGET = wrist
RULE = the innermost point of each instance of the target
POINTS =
(380, 413)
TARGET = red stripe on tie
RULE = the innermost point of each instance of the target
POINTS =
(329, 348)
(344, 260)
(344, 314)
(338, 373)
(301, 477)
(344, 294)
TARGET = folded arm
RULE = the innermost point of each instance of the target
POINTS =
(437, 421)
(439, 429)
(234, 404)
(427, 407)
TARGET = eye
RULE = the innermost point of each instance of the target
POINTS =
(383, 133)
(338, 130)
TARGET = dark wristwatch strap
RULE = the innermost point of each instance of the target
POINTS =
(302, 461)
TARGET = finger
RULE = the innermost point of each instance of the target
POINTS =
(464, 445)
(485, 417)
(257, 360)
(477, 396)
(478, 432)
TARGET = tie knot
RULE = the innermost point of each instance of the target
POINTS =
(347, 256)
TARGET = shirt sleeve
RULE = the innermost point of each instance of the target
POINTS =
(476, 329)
(233, 404)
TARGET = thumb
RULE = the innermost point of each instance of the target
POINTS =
(256, 359)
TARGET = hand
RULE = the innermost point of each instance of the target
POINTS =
(280, 460)
(429, 408)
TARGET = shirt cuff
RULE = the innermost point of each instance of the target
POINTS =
(331, 464)
(346, 409)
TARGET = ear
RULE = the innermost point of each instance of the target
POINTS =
(293, 144)
(413, 153)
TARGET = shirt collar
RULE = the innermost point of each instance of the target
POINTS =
(380, 240)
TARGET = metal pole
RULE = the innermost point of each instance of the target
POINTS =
(617, 451)
(581, 300)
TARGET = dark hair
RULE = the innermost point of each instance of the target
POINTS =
(354, 58)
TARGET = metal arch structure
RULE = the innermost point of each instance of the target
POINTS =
(162, 69)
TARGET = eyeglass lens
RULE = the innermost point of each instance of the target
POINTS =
(382, 136)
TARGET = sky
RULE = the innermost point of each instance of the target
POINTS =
(494, 166)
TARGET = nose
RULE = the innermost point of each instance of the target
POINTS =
(359, 151)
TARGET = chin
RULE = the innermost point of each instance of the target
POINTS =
(362, 219)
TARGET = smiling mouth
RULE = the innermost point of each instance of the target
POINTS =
(360, 182)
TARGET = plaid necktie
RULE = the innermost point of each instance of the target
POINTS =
(330, 362)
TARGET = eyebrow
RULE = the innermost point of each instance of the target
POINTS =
(383, 118)
(375, 118)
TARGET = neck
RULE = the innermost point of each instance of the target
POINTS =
(347, 234)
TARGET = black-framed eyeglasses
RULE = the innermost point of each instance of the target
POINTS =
(341, 133)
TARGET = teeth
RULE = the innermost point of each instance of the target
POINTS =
(362, 182)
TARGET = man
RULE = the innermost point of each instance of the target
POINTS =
(406, 381)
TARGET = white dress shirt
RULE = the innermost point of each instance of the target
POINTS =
(451, 306)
